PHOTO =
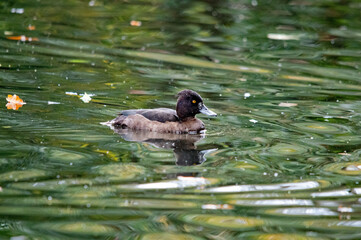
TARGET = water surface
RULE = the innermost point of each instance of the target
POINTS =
(281, 161)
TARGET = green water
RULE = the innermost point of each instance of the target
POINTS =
(281, 160)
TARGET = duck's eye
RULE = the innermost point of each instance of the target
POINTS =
(194, 101)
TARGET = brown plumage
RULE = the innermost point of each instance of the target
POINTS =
(182, 120)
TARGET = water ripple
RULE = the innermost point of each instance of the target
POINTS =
(301, 211)
(265, 187)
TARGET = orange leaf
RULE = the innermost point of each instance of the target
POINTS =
(31, 27)
(13, 106)
(135, 23)
(14, 102)
(22, 38)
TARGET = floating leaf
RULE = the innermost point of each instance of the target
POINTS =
(31, 27)
(86, 97)
(23, 38)
(135, 23)
(14, 102)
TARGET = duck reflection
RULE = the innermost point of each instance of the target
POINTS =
(183, 145)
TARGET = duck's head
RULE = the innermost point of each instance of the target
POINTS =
(190, 103)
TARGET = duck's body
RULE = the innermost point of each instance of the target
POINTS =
(140, 122)
(157, 114)
(181, 120)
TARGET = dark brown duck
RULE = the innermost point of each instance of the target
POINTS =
(181, 120)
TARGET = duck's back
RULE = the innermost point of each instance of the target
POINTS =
(158, 114)
(157, 120)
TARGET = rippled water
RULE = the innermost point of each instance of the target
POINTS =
(281, 161)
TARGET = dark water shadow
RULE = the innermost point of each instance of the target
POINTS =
(183, 145)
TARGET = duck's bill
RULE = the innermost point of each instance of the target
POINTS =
(206, 111)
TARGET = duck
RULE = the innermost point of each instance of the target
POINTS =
(166, 120)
